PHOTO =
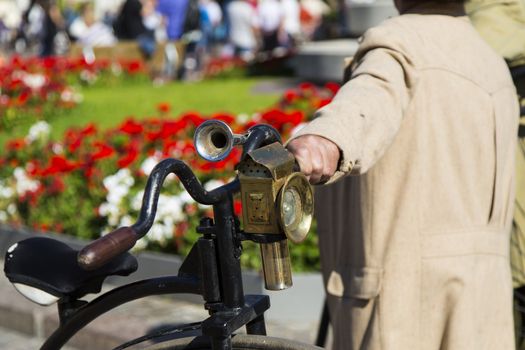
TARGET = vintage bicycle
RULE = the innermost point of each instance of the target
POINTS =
(277, 205)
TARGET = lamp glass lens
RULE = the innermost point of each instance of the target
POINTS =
(291, 206)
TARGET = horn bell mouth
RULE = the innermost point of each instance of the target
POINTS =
(213, 140)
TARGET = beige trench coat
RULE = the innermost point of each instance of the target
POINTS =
(415, 250)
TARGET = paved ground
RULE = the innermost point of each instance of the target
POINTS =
(12, 340)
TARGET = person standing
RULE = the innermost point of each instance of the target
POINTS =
(292, 22)
(244, 28)
(271, 16)
(415, 249)
(174, 12)
(52, 23)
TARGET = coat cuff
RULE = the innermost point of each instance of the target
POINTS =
(347, 163)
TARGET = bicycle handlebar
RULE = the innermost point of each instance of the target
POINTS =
(104, 249)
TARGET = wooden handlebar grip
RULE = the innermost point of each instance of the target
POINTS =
(101, 251)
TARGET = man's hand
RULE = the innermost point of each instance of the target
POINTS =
(318, 157)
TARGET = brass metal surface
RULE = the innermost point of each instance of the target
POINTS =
(276, 265)
(275, 158)
(302, 199)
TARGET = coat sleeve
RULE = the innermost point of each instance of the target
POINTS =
(367, 112)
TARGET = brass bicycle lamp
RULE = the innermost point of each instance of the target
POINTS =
(276, 200)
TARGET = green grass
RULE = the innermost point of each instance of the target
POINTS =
(108, 106)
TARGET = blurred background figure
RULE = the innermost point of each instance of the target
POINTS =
(51, 25)
(130, 25)
(212, 25)
(40, 23)
(311, 14)
(271, 16)
(88, 31)
(174, 13)
(107, 10)
(10, 19)
(243, 28)
(292, 23)
(153, 21)
(70, 12)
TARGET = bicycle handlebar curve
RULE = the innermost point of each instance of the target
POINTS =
(102, 250)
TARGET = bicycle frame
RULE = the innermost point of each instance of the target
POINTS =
(211, 269)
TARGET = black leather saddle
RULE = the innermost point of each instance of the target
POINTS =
(51, 266)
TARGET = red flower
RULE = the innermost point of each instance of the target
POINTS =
(73, 140)
(237, 207)
(128, 158)
(131, 127)
(171, 128)
(227, 118)
(23, 97)
(333, 87)
(58, 165)
(290, 96)
(90, 129)
(103, 151)
(192, 118)
(181, 229)
(164, 107)
(134, 67)
(16, 145)
(306, 87)
(323, 102)
(57, 185)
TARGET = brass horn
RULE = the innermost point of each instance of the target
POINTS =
(214, 140)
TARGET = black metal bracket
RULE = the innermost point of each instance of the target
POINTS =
(68, 307)
(261, 237)
(223, 323)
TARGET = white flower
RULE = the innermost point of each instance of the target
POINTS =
(11, 209)
(170, 209)
(24, 184)
(117, 193)
(213, 184)
(106, 209)
(118, 185)
(57, 148)
(34, 81)
(88, 77)
(242, 118)
(38, 131)
(3, 216)
(70, 95)
(126, 220)
(136, 202)
(160, 233)
(5, 191)
(150, 163)
(141, 244)
(111, 211)
(185, 197)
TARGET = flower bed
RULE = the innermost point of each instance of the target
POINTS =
(91, 181)
(36, 88)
